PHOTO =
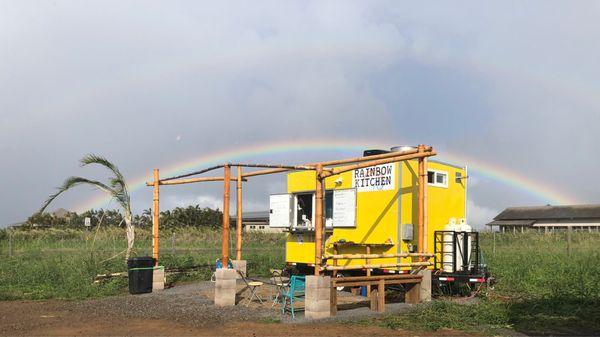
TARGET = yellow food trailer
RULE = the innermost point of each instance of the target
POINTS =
(371, 210)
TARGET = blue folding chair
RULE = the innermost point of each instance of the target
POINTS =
(294, 292)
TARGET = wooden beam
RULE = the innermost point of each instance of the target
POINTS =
(421, 204)
(398, 157)
(374, 256)
(239, 225)
(376, 278)
(225, 232)
(339, 162)
(379, 266)
(155, 216)
(192, 180)
(319, 219)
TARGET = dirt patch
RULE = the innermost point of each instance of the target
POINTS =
(186, 310)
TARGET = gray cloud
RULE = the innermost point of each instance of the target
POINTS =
(513, 84)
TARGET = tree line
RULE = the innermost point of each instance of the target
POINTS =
(191, 216)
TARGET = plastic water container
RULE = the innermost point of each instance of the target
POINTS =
(140, 271)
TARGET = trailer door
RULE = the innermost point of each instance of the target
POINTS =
(280, 212)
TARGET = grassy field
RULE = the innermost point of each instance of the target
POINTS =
(63, 263)
(540, 288)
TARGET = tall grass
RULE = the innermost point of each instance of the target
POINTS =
(540, 289)
(40, 264)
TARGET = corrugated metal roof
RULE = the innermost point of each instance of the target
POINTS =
(511, 223)
(253, 216)
(550, 212)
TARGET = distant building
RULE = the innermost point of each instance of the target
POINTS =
(548, 218)
(255, 221)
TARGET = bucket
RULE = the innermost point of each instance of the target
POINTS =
(140, 271)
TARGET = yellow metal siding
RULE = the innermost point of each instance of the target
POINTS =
(378, 213)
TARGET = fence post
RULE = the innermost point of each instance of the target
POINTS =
(173, 243)
(494, 245)
(10, 243)
(569, 248)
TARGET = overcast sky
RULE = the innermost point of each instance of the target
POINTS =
(152, 83)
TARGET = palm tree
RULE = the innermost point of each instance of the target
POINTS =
(116, 188)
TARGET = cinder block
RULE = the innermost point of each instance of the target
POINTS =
(225, 284)
(240, 266)
(225, 300)
(317, 293)
(317, 306)
(313, 281)
(225, 274)
(225, 290)
(317, 314)
(425, 293)
(158, 279)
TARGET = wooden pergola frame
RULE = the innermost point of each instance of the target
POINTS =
(322, 169)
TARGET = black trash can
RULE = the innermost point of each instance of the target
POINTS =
(140, 270)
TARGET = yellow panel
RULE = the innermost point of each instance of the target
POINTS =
(378, 213)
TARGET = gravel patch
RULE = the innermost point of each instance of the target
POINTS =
(188, 304)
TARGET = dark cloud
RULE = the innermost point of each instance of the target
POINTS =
(152, 83)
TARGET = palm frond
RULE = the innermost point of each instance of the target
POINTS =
(118, 181)
(75, 181)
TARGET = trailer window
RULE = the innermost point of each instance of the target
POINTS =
(328, 208)
(304, 210)
(437, 178)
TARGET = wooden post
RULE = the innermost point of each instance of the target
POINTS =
(10, 243)
(368, 261)
(374, 296)
(494, 246)
(333, 299)
(318, 219)
(225, 233)
(173, 243)
(381, 296)
(155, 216)
(413, 294)
(421, 201)
(238, 229)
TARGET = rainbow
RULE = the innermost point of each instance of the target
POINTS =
(544, 192)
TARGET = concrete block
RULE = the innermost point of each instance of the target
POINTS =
(317, 314)
(317, 297)
(425, 293)
(313, 281)
(225, 290)
(239, 265)
(317, 293)
(225, 284)
(158, 279)
(317, 305)
(226, 274)
(225, 300)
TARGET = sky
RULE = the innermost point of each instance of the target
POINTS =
(507, 87)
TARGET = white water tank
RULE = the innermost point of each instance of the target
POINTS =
(449, 246)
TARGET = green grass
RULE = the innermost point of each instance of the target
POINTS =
(540, 290)
(63, 263)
